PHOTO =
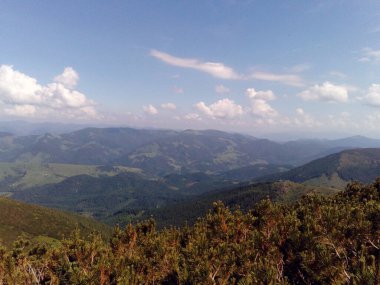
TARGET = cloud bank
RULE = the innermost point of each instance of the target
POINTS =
(327, 92)
(222, 109)
(21, 95)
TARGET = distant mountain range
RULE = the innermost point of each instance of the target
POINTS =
(100, 171)
(161, 152)
(118, 175)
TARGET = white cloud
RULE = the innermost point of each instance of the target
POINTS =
(263, 95)
(341, 120)
(18, 88)
(69, 78)
(262, 109)
(325, 92)
(216, 69)
(370, 55)
(300, 111)
(222, 109)
(288, 79)
(21, 110)
(221, 89)
(150, 110)
(259, 104)
(168, 106)
(219, 70)
(373, 95)
(192, 117)
(22, 95)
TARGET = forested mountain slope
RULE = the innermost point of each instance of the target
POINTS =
(336, 170)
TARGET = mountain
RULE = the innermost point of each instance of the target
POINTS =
(39, 223)
(252, 172)
(110, 189)
(104, 195)
(356, 142)
(16, 176)
(336, 170)
(161, 152)
(243, 196)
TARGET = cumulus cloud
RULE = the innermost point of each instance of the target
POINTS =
(69, 78)
(222, 109)
(150, 110)
(259, 105)
(168, 106)
(373, 95)
(262, 109)
(220, 70)
(21, 110)
(326, 92)
(263, 95)
(304, 119)
(370, 55)
(221, 89)
(22, 95)
(216, 69)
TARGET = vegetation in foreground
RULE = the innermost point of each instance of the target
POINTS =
(319, 240)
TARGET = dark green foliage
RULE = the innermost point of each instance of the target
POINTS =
(318, 240)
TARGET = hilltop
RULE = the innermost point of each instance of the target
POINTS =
(336, 170)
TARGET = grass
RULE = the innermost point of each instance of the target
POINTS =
(35, 222)
(333, 181)
(34, 173)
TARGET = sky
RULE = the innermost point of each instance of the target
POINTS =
(297, 68)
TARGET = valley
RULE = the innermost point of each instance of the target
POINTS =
(122, 175)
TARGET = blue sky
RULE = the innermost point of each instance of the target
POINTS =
(260, 67)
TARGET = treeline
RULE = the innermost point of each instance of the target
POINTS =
(318, 240)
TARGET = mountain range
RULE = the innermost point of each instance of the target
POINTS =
(119, 175)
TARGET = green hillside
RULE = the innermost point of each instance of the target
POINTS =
(20, 175)
(102, 196)
(37, 223)
(244, 196)
(336, 170)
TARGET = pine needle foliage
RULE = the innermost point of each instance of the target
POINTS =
(318, 240)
